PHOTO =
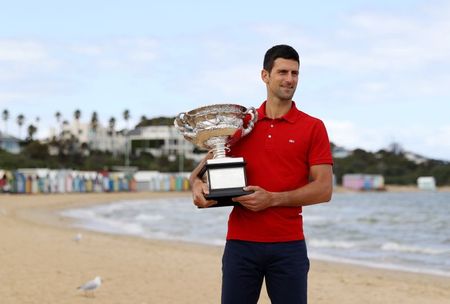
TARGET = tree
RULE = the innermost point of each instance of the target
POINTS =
(395, 148)
(20, 121)
(31, 131)
(94, 126)
(58, 120)
(143, 120)
(126, 116)
(5, 117)
(37, 120)
(77, 115)
(156, 121)
(94, 121)
(36, 150)
(112, 125)
(111, 132)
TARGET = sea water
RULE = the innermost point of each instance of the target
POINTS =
(405, 230)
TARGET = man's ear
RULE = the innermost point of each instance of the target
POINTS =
(265, 76)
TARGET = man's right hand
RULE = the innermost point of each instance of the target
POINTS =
(199, 189)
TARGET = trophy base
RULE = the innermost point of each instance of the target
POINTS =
(224, 196)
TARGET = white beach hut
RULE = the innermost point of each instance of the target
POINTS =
(426, 183)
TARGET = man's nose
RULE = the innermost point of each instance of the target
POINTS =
(290, 77)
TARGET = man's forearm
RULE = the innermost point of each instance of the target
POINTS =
(310, 194)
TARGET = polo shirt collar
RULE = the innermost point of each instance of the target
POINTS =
(290, 116)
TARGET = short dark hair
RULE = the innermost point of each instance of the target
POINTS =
(279, 51)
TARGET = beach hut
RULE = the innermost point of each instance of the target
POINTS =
(20, 182)
(146, 180)
(353, 181)
(186, 185)
(132, 186)
(363, 181)
(53, 181)
(427, 183)
(5, 181)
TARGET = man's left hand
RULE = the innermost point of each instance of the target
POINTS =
(259, 200)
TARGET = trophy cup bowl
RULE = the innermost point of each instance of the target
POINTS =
(217, 127)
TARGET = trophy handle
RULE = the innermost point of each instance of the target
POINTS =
(183, 126)
(253, 118)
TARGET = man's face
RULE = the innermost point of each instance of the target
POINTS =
(282, 80)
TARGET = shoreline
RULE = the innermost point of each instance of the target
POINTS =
(93, 225)
(44, 265)
(392, 188)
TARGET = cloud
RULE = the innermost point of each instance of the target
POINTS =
(430, 142)
(373, 56)
(21, 59)
(439, 138)
(236, 83)
(23, 51)
(33, 69)
(126, 54)
(10, 97)
(349, 135)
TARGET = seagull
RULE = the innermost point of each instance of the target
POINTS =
(90, 286)
(78, 237)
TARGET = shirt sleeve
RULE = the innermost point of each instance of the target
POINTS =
(320, 149)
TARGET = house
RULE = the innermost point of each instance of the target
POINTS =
(163, 140)
(102, 138)
(9, 143)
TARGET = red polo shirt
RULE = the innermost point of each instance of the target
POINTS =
(279, 153)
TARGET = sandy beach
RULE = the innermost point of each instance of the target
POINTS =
(41, 263)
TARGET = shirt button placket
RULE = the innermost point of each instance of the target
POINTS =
(269, 140)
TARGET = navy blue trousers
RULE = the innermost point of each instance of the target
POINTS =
(284, 266)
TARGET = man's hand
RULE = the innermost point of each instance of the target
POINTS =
(259, 200)
(199, 189)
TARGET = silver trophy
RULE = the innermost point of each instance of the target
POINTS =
(217, 127)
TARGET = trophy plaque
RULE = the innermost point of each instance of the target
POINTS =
(217, 127)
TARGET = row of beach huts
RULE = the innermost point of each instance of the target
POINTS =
(375, 182)
(68, 181)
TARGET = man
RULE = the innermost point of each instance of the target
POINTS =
(289, 165)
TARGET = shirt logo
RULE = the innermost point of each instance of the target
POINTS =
(291, 141)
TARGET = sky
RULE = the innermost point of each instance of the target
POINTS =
(375, 72)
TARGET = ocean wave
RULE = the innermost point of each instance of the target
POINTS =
(145, 218)
(330, 244)
(392, 246)
(89, 219)
(379, 265)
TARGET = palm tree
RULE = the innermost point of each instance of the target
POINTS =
(38, 120)
(20, 120)
(77, 115)
(31, 131)
(111, 131)
(5, 117)
(126, 116)
(94, 126)
(58, 120)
